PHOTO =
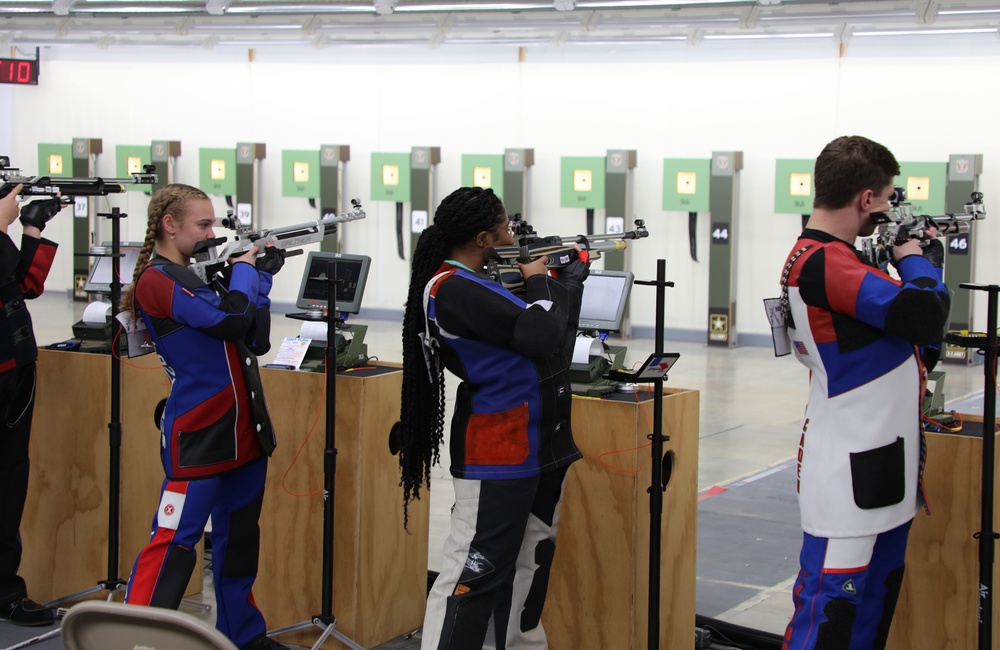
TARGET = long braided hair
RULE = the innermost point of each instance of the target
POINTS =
(170, 199)
(461, 216)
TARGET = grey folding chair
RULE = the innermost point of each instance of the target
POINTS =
(100, 625)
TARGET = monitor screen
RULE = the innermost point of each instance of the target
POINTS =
(352, 272)
(605, 295)
(99, 280)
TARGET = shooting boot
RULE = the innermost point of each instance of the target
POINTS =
(27, 612)
(264, 643)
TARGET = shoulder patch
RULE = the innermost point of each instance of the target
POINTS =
(182, 275)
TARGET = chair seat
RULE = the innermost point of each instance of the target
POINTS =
(100, 625)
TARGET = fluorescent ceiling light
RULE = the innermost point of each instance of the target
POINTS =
(222, 43)
(630, 40)
(629, 4)
(747, 37)
(928, 32)
(289, 8)
(960, 12)
(473, 6)
(135, 9)
(840, 18)
(240, 28)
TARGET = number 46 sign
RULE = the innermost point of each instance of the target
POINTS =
(959, 244)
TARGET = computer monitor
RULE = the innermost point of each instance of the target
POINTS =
(352, 271)
(605, 296)
(99, 280)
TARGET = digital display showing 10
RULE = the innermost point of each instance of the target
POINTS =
(19, 71)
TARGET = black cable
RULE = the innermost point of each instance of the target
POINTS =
(744, 638)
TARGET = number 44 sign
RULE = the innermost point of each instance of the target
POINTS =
(720, 233)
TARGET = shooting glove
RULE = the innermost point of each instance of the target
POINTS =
(934, 253)
(577, 270)
(272, 261)
(38, 213)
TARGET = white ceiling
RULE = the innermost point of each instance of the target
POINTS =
(429, 23)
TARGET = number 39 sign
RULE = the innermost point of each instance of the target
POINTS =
(19, 71)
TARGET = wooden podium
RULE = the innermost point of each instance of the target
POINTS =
(939, 600)
(598, 591)
(65, 524)
(380, 571)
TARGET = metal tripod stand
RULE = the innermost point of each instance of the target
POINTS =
(325, 620)
(986, 535)
(661, 465)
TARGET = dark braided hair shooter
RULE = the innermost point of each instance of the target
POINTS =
(461, 216)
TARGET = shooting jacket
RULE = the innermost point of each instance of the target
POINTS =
(22, 276)
(512, 410)
(857, 330)
(215, 418)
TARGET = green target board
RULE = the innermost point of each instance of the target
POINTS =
(129, 159)
(794, 190)
(685, 184)
(483, 170)
(582, 182)
(390, 179)
(54, 160)
(217, 171)
(925, 186)
(300, 173)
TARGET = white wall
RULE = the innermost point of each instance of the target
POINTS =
(923, 99)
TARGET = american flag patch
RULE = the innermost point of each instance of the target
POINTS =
(800, 347)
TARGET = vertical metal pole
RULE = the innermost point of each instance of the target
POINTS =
(332, 158)
(618, 185)
(115, 426)
(83, 229)
(516, 189)
(986, 534)
(330, 451)
(960, 252)
(422, 163)
(656, 487)
(724, 208)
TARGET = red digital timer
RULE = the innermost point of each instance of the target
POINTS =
(19, 71)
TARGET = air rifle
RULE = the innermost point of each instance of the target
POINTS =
(899, 224)
(66, 188)
(501, 261)
(286, 238)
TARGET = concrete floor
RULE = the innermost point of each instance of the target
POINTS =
(750, 408)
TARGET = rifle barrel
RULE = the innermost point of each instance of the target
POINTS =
(509, 253)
